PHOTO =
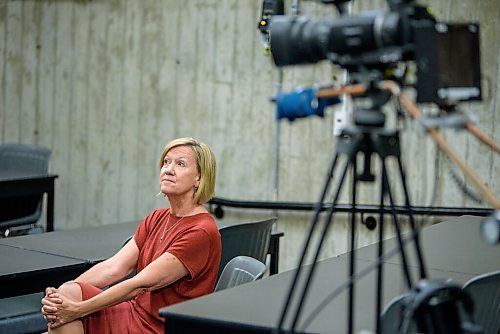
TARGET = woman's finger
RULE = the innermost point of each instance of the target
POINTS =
(46, 309)
(51, 301)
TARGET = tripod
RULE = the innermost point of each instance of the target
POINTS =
(367, 138)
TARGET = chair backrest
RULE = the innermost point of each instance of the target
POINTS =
(392, 315)
(24, 210)
(240, 270)
(249, 239)
(26, 157)
(485, 293)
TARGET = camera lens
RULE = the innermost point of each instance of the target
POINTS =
(298, 40)
(306, 40)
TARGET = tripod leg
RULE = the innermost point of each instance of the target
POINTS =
(386, 190)
(312, 267)
(398, 230)
(380, 268)
(352, 258)
(310, 232)
(415, 232)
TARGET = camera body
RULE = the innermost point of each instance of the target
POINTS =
(446, 55)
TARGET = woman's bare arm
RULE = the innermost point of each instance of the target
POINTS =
(113, 269)
(161, 272)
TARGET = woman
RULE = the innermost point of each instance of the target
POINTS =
(176, 252)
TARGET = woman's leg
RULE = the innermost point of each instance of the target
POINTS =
(73, 291)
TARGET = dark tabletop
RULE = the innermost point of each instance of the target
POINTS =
(454, 247)
(30, 263)
(62, 254)
(92, 244)
(259, 303)
(24, 271)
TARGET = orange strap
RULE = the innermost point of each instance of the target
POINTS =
(482, 136)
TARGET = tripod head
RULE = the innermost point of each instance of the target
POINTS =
(368, 123)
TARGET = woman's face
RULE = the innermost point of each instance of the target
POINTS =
(179, 175)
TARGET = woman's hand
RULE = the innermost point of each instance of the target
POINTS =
(58, 309)
(49, 305)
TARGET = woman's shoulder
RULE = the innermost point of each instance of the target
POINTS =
(155, 217)
(205, 220)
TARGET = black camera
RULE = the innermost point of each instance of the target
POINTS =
(446, 55)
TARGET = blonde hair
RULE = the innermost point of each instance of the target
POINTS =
(205, 163)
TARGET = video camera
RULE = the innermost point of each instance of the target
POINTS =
(446, 55)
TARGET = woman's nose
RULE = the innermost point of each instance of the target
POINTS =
(169, 169)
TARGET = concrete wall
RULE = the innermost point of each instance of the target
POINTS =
(106, 84)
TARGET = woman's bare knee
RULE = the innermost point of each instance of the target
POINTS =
(72, 290)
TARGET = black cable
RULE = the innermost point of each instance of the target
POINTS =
(425, 219)
(462, 185)
(432, 199)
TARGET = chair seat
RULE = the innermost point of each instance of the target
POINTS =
(240, 270)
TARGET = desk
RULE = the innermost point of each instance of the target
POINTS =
(23, 271)
(255, 307)
(444, 247)
(95, 244)
(19, 183)
(85, 246)
(63, 256)
(91, 244)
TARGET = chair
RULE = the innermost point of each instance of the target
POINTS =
(392, 316)
(240, 270)
(485, 293)
(249, 239)
(26, 210)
